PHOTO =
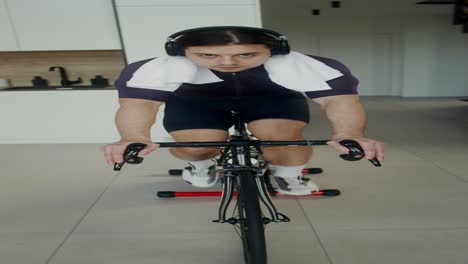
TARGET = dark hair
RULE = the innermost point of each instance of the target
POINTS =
(224, 37)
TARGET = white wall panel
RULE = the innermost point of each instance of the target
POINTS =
(368, 56)
(7, 34)
(435, 59)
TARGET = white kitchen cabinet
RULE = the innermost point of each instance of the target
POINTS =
(64, 24)
(7, 33)
(183, 2)
(63, 116)
(58, 116)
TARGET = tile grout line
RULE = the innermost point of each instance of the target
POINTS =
(80, 220)
(346, 229)
(398, 103)
(449, 172)
(315, 232)
(438, 166)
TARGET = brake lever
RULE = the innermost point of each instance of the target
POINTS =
(131, 155)
(356, 152)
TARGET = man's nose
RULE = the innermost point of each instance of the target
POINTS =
(228, 60)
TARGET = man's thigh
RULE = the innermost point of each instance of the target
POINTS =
(277, 112)
(277, 129)
(199, 135)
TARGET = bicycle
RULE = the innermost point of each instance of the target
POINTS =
(246, 180)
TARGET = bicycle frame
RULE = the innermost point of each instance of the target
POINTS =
(241, 160)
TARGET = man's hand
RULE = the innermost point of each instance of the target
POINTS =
(114, 153)
(372, 148)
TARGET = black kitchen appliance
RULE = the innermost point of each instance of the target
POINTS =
(39, 82)
(99, 81)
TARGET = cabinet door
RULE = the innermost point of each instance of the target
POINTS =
(64, 24)
(145, 29)
(7, 34)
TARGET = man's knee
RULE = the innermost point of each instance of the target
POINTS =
(197, 135)
(278, 134)
(274, 129)
(193, 152)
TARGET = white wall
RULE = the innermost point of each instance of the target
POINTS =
(435, 58)
(394, 47)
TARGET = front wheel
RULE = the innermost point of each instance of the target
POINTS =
(252, 228)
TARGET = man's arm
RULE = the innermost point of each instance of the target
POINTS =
(348, 120)
(345, 113)
(133, 120)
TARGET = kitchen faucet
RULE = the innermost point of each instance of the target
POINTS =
(63, 74)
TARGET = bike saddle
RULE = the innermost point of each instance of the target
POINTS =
(131, 155)
(356, 152)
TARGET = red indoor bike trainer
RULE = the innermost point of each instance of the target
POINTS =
(178, 172)
(173, 194)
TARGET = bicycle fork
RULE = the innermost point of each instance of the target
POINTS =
(262, 192)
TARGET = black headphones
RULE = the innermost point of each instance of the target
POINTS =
(280, 46)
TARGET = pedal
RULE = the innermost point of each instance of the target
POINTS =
(283, 217)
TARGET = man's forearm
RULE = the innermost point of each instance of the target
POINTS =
(134, 121)
(348, 121)
(346, 115)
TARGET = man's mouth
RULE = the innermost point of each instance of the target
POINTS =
(228, 67)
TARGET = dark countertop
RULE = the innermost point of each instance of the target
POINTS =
(58, 88)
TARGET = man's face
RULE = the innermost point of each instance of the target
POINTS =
(229, 58)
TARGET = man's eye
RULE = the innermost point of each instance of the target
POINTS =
(207, 55)
(246, 55)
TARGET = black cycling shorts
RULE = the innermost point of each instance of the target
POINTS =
(182, 112)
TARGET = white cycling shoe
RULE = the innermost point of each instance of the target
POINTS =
(295, 186)
(203, 177)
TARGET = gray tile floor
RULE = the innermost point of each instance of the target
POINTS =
(61, 204)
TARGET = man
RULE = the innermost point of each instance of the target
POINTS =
(210, 72)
